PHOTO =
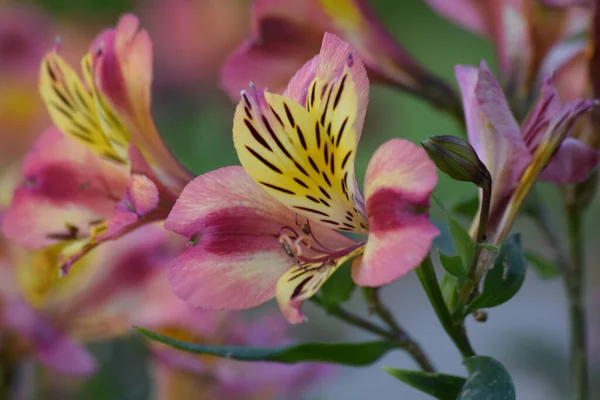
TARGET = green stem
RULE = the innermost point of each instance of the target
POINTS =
(377, 307)
(576, 294)
(455, 330)
(403, 341)
(473, 276)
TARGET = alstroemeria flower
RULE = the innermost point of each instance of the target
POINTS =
(270, 228)
(50, 319)
(507, 148)
(287, 33)
(125, 166)
(523, 31)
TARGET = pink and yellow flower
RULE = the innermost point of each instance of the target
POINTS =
(287, 33)
(271, 228)
(103, 170)
(50, 319)
(508, 149)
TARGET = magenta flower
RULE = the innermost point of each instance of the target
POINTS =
(269, 228)
(522, 31)
(507, 148)
(118, 174)
(286, 34)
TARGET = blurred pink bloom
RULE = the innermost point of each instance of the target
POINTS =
(50, 318)
(269, 228)
(25, 34)
(524, 32)
(193, 38)
(287, 33)
(179, 375)
(110, 172)
(507, 148)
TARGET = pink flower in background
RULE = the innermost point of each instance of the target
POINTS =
(507, 148)
(287, 33)
(180, 375)
(269, 228)
(193, 38)
(50, 318)
(117, 174)
(524, 32)
(25, 34)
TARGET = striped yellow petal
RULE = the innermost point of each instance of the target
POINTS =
(111, 125)
(304, 280)
(73, 109)
(304, 157)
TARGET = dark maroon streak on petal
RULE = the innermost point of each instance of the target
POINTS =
(389, 210)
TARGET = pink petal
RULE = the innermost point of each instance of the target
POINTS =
(64, 183)
(138, 204)
(537, 121)
(466, 13)
(327, 65)
(399, 180)
(491, 128)
(567, 63)
(234, 258)
(51, 347)
(66, 356)
(572, 163)
(284, 36)
(123, 74)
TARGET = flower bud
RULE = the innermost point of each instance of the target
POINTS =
(456, 158)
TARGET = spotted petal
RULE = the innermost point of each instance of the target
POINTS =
(302, 281)
(303, 163)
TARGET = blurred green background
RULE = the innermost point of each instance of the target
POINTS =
(195, 118)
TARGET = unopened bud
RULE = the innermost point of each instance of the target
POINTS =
(456, 158)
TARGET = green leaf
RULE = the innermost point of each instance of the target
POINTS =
(505, 279)
(546, 269)
(339, 287)
(467, 207)
(354, 354)
(453, 265)
(449, 288)
(463, 244)
(440, 386)
(488, 380)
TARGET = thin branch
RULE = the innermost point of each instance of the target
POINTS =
(406, 343)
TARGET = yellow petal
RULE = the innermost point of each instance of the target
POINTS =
(72, 108)
(302, 281)
(305, 159)
(112, 127)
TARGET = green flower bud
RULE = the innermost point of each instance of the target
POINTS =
(456, 158)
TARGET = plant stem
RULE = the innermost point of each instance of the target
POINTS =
(576, 294)
(377, 307)
(403, 341)
(473, 276)
(454, 329)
